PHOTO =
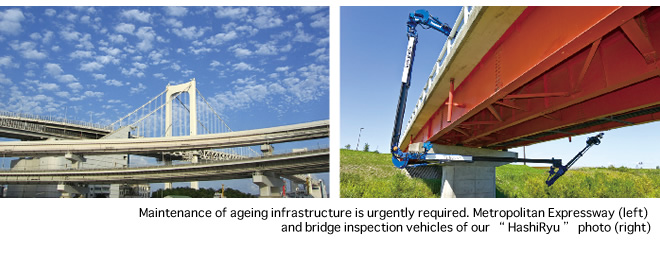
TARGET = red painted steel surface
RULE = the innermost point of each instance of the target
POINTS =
(554, 69)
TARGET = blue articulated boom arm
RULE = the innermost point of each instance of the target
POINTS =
(419, 17)
(553, 176)
(422, 17)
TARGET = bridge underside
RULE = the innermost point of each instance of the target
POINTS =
(556, 72)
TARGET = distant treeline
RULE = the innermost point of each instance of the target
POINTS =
(201, 193)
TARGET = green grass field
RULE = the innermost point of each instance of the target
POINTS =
(368, 174)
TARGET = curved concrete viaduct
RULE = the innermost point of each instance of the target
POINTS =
(281, 134)
(284, 164)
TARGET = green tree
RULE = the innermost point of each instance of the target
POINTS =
(201, 193)
(366, 147)
(347, 146)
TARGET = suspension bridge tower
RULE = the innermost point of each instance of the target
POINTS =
(172, 91)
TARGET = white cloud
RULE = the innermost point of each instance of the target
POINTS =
(323, 41)
(138, 89)
(35, 36)
(243, 30)
(114, 83)
(81, 54)
(215, 63)
(266, 48)
(137, 15)
(50, 12)
(47, 86)
(320, 21)
(198, 51)
(220, 38)
(320, 54)
(140, 66)
(111, 51)
(190, 32)
(231, 12)
(137, 70)
(85, 19)
(174, 22)
(4, 80)
(310, 84)
(75, 86)
(70, 16)
(239, 51)
(147, 35)
(27, 50)
(286, 48)
(90, 66)
(157, 56)
(10, 21)
(114, 101)
(48, 35)
(160, 76)
(62, 94)
(68, 33)
(85, 42)
(309, 9)
(99, 76)
(66, 78)
(242, 66)
(267, 18)
(117, 38)
(125, 28)
(56, 72)
(53, 69)
(107, 59)
(302, 36)
(176, 11)
(7, 62)
(37, 104)
(93, 94)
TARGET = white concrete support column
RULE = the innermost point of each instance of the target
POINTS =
(269, 185)
(195, 184)
(468, 180)
(168, 185)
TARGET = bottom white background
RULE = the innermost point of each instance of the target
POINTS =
(107, 237)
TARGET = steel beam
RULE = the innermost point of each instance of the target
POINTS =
(543, 77)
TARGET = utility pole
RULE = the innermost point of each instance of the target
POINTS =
(358, 143)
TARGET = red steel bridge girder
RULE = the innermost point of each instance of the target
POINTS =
(555, 67)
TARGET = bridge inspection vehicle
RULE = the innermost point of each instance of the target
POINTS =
(423, 156)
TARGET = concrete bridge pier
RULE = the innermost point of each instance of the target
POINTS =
(462, 179)
(269, 184)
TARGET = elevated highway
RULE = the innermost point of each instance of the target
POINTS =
(33, 127)
(285, 164)
(522, 75)
(281, 134)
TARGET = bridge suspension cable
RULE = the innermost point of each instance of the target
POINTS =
(149, 120)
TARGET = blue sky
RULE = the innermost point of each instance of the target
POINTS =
(258, 66)
(373, 44)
